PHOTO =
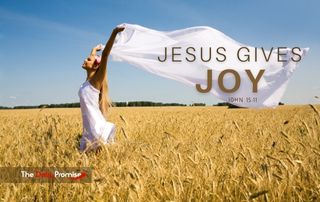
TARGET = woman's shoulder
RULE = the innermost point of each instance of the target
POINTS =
(92, 84)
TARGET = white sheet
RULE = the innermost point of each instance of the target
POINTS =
(141, 47)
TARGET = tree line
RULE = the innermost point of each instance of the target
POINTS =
(121, 104)
(77, 105)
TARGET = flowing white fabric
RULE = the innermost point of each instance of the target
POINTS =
(141, 47)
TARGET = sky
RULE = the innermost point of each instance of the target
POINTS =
(43, 45)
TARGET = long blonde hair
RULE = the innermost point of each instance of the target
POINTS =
(105, 102)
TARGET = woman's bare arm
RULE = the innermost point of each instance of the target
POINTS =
(99, 76)
(93, 52)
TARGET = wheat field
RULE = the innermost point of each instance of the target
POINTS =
(170, 154)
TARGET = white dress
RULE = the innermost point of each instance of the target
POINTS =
(95, 126)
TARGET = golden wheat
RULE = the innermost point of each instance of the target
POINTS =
(170, 154)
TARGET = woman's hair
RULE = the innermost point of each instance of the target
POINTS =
(104, 99)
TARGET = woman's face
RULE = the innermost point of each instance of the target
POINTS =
(89, 63)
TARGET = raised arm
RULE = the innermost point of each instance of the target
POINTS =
(98, 78)
(93, 52)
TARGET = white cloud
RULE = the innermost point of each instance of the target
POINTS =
(12, 97)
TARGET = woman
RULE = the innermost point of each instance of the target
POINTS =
(94, 99)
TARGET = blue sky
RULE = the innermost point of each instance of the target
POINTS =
(43, 44)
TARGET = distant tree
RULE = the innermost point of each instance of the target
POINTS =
(229, 105)
(25, 107)
(43, 106)
(198, 104)
(120, 104)
(3, 107)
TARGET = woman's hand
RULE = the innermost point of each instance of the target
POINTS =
(99, 47)
(118, 29)
(94, 50)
